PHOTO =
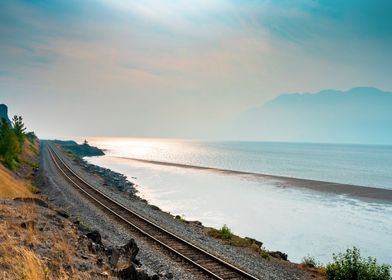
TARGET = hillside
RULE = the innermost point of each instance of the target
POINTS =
(11, 187)
(360, 115)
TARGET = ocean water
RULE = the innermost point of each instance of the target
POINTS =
(299, 222)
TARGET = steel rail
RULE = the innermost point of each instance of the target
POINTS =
(241, 274)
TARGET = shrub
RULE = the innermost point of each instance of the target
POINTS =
(228, 236)
(350, 265)
(29, 162)
(69, 154)
(310, 261)
(223, 233)
(264, 254)
(11, 141)
(33, 189)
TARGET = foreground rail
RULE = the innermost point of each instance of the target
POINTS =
(202, 260)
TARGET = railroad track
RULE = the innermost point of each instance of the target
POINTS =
(207, 263)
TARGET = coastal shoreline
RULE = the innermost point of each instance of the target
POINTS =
(265, 267)
(356, 191)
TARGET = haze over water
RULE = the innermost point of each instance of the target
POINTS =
(299, 222)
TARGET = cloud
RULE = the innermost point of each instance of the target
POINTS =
(216, 57)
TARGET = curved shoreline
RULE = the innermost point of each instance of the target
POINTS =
(370, 193)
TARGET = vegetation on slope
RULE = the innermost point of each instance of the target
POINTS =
(12, 140)
(351, 265)
(37, 244)
(11, 186)
(19, 153)
(225, 234)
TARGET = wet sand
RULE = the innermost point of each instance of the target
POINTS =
(369, 193)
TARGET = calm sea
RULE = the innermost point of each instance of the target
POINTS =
(353, 164)
(297, 221)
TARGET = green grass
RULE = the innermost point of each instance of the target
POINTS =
(225, 234)
(33, 189)
(33, 149)
(29, 162)
(311, 262)
(69, 154)
(264, 254)
(10, 163)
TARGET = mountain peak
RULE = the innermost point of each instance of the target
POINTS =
(360, 115)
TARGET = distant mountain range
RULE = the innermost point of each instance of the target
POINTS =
(4, 113)
(360, 115)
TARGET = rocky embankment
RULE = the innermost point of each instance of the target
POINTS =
(111, 178)
(81, 150)
(43, 242)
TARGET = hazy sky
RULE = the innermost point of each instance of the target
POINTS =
(180, 68)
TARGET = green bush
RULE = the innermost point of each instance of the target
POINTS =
(33, 189)
(350, 265)
(222, 233)
(310, 261)
(11, 141)
(225, 232)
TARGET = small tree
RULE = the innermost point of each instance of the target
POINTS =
(19, 129)
(9, 145)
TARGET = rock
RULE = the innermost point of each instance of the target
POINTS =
(95, 236)
(278, 255)
(82, 266)
(4, 113)
(131, 250)
(34, 200)
(167, 275)
(105, 274)
(62, 213)
(113, 255)
(196, 223)
(258, 243)
(131, 272)
(28, 224)
(153, 207)
(67, 267)
(99, 261)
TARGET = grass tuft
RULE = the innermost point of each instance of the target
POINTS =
(33, 189)
(226, 234)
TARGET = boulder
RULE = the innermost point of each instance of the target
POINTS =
(34, 200)
(258, 243)
(62, 213)
(131, 250)
(28, 224)
(95, 236)
(278, 255)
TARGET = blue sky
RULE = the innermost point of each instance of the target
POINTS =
(180, 68)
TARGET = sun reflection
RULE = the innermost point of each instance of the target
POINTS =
(144, 148)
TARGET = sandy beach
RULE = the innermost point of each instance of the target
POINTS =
(362, 192)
